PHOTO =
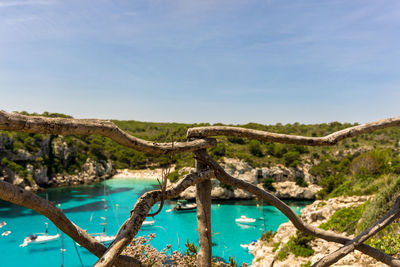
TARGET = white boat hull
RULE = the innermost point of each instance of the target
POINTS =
(105, 239)
(40, 239)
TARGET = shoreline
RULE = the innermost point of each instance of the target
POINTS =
(138, 174)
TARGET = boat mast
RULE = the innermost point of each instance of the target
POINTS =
(105, 208)
(47, 222)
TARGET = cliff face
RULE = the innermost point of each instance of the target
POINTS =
(266, 252)
(39, 161)
(284, 181)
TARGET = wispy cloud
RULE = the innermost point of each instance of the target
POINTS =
(4, 4)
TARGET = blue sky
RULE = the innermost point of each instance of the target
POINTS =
(202, 61)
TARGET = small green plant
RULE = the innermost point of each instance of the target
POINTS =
(275, 246)
(174, 176)
(292, 158)
(255, 148)
(298, 245)
(267, 236)
(300, 182)
(308, 264)
(191, 248)
(267, 183)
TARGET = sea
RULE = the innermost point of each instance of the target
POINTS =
(84, 205)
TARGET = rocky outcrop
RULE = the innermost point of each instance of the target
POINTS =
(284, 184)
(314, 214)
(289, 190)
(30, 169)
(92, 171)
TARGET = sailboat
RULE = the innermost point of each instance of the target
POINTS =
(103, 237)
(39, 238)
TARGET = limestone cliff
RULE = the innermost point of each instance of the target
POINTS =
(284, 181)
(40, 161)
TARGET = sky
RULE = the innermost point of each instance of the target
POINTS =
(228, 61)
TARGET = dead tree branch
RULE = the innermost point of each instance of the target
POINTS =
(37, 124)
(331, 139)
(203, 214)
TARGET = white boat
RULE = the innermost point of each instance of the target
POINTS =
(183, 205)
(249, 246)
(105, 239)
(2, 223)
(39, 239)
(148, 223)
(6, 233)
(244, 219)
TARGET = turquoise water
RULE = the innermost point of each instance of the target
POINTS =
(84, 206)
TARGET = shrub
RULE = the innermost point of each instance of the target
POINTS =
(267, 236)
(300, 182)
(377, 207)
(291, 158)
(329, 183)
(255, 148)
(387, 240)
(219, 150)
(236, 140)
(297, 245)
(344, 220)
(373, 162)
(173, 176)
(267, 183)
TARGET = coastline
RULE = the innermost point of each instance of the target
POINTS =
(139, 174)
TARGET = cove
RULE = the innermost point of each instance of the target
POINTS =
(84, 206)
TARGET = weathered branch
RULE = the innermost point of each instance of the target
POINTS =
(203, 200)
(331, 139)
(139, 212)
(225, 178)
(21, 197)
(392, 215)
(37, 124)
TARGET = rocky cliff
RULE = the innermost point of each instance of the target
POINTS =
(266, 252)
(284, 181)
(39, 161)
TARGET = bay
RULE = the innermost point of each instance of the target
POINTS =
(84, 205)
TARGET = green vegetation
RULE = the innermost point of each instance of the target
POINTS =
(298, 245)
(308, 264)
(267, 183)
(300, 182)
(381, 203)
(387, 240)
(267, 236)
(344, 220)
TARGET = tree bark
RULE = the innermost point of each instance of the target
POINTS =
(331, 139)
(203, 201)
(37, 124)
